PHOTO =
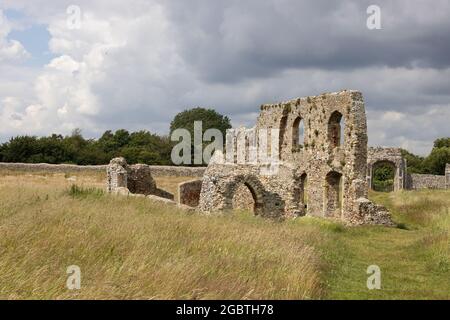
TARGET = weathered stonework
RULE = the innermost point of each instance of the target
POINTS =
(426, 181)
(447, 176)
(189, 192)
(320, 173)
(402, 179)
(135, 179)
(157, 171)
(387, 156)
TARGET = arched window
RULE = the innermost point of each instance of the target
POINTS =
(298, 134)
(335, 130)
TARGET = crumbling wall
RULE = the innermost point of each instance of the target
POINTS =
(136, 179)
(116, 175)
(189, 192)
(322, 173)
(390, 156)
(157, 171)
(447, 175)
(426, 181)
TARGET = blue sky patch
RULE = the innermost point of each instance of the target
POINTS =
(34, 37)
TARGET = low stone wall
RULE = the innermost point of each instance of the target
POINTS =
(172, 171)
(426, 181)
(157, 171)
(33, 167)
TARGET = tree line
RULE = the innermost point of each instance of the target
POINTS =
(137, 147)
(434, 163)
(150, 148)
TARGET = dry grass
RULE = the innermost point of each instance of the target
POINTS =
(130, 248)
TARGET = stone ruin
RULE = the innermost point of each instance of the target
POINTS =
(387, 156)
(402, 179)
(132, 179)
(306, 156)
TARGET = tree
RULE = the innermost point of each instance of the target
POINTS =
(20, 149)
(442, 142)
(210, 119)
(435, 162)
(414, 162)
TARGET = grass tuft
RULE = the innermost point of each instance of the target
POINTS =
(76, 191)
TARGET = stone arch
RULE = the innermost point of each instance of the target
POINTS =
(376, 164)
(298, 133)
(392, 155)
(333, 194)
(255, 187)
(335, 129)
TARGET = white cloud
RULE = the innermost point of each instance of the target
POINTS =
(10, 50)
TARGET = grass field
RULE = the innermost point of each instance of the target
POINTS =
(132, 248)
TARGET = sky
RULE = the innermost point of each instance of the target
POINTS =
(135, 64)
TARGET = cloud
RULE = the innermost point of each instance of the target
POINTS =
(10, 50)
(135, 64)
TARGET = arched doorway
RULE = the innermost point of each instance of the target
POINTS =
(383, 176)
(244, 198)
(245, 193)
(333, 194)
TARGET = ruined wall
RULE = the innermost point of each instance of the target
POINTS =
(189, 192)
(322, 173)
(136, 179)
(447, 175)
(157, 171)
(426, 181)
(389, 156)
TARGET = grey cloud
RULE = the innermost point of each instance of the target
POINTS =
(228, 41)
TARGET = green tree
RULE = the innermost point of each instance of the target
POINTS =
(210, 119)
(442, 142)
(435, 162)
(20, 149)
(414, 163)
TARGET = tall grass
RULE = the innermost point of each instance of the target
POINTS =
(133, 248)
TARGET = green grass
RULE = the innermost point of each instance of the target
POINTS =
(132, 248)
(414, 260)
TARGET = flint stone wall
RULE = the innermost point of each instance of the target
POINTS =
(426, 181)
(189, 192)
(318, 177)
(389, 156)
(157, 171)
(136, 179)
